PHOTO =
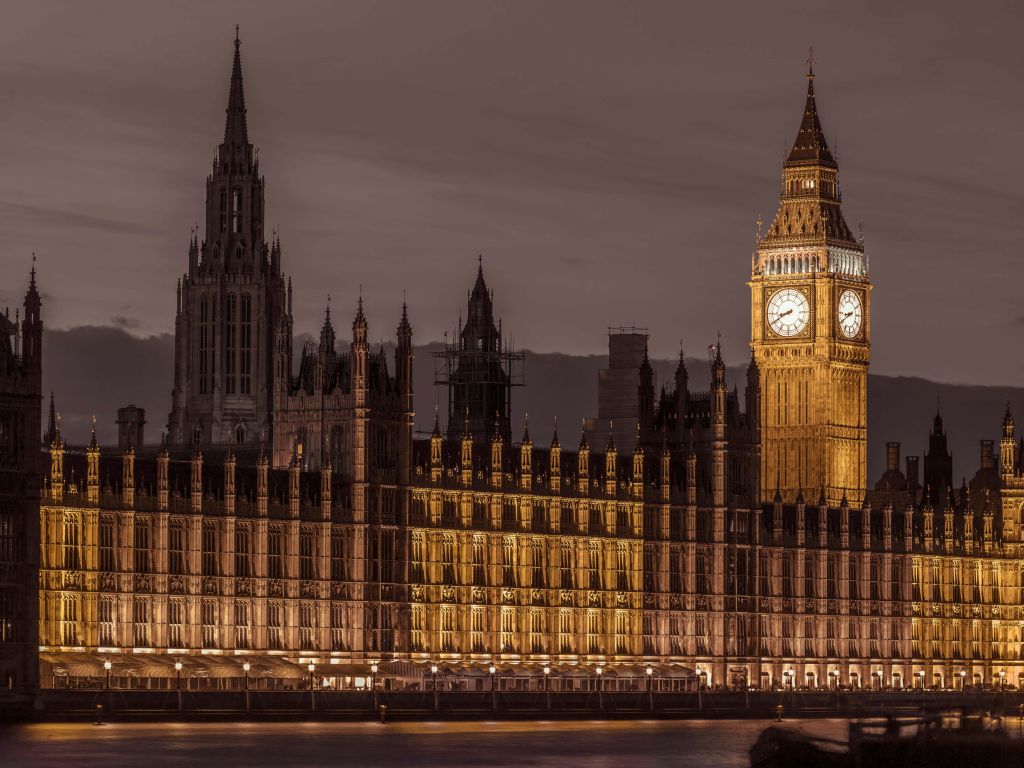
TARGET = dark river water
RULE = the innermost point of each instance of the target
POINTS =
(538, 744)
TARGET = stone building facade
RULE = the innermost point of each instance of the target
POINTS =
(692, 550)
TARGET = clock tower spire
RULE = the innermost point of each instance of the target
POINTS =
(810, 328)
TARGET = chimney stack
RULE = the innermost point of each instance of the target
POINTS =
(988, 456)
(892, 457)
(913, 475)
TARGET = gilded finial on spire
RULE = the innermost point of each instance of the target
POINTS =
(238, 42)
(810, 63)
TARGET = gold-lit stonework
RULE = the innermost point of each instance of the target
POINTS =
(733, 542)
(813, 350)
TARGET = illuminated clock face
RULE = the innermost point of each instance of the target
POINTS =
(851, 314)
(788, 312)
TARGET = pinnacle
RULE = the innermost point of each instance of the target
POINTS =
(235, 128)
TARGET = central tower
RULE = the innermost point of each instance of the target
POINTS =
(810, 330)
(231, 302)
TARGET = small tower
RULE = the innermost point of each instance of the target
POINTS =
(583, 469)
(466, 454)
(163, 462)
(497, 457)
(555, 459)
(230, 464)
(92, 469)
(436, 442)
(526, 458)
(611, 464)
(57, 465)
(128, 476)
(637, 479)
(1007, 447)
(196, 481)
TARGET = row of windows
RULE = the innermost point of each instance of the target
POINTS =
(238, 344)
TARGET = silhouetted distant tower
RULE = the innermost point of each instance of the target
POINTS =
(131, 423)
(938, 463)
(20, 423)
(479, 371)
(231, 302)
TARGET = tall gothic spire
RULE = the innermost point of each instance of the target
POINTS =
(810, 147)
(235, 129)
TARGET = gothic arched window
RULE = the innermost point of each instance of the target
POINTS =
(240, 434)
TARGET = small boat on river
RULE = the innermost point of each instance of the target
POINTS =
(936, 740)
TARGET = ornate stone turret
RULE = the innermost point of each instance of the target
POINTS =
(526, 457)
(466, 454)
(555, 460)
(163, 489)
(128, 476)
(1007, 447)
(801, 523)
(196, 481)
(844, 523)
(262, 485)
(665, 471)
(57, 466)
(583, 468)
(92, 469)
(325, 491)
(294, 473)
(231, 303)
(637, 479)
(928, 514)
(497, 459)
(611, 466)
(404, 379)
(822, 521)
(987, 523)
(229, 482)
(436, 444)
(777, 520)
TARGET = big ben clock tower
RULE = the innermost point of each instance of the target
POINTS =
(810, 331)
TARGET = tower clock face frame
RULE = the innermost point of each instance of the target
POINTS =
(850, 314)
(788, 312)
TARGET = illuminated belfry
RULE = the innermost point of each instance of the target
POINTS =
(810, 329)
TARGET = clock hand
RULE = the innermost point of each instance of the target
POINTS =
(847, 314)
(787, 312)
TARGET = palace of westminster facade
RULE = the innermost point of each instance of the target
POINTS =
(292, 516)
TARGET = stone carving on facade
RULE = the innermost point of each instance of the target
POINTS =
(479, 595)
(565, 597)
(417, 593)
(210, 586)
(448, 594)
(176, 585)
(508, 597)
